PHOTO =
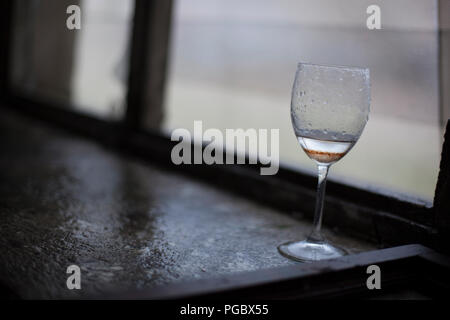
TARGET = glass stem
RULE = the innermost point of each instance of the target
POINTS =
(316, 234)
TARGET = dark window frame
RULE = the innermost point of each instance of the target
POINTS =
(371, 215)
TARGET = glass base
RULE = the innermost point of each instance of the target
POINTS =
(309, 250)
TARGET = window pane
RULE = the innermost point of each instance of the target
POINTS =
(83, 69)
(233, 64)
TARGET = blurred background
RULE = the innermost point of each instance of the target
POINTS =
(232, 64)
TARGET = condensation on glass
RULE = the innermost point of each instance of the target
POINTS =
(83, 69)
(232, 66)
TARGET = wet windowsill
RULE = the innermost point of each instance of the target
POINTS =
(125, 222)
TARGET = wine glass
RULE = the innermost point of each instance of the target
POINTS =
(329, 110)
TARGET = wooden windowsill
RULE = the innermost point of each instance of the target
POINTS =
(125, 222)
